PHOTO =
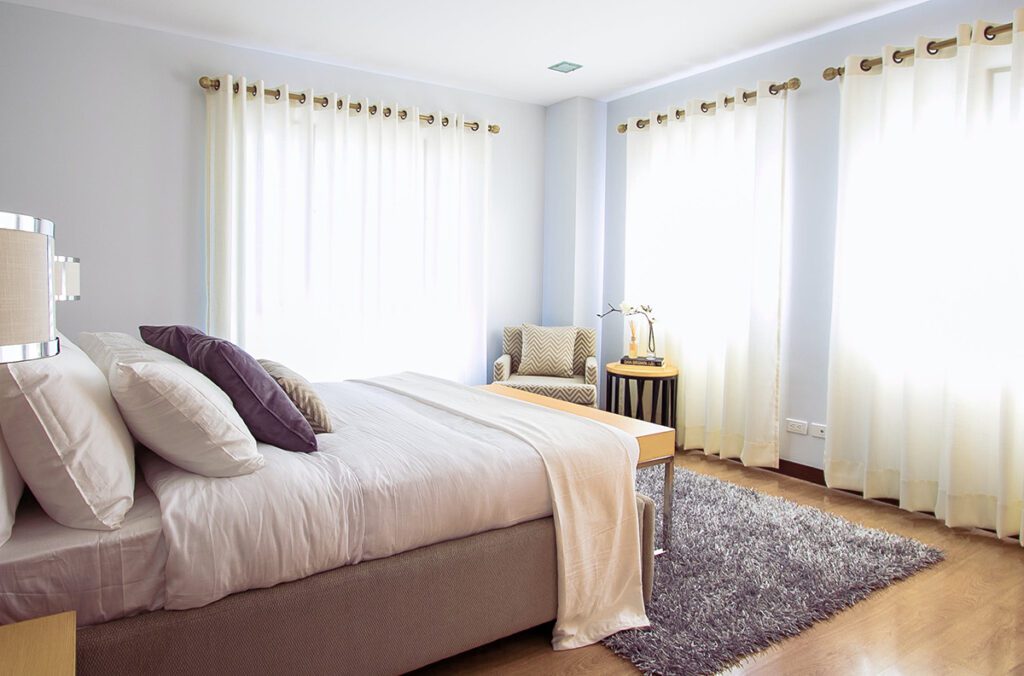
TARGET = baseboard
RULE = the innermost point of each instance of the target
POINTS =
(798, 471)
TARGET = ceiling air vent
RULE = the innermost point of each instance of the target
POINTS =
(565, 67)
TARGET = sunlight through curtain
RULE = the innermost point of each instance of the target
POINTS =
(346, 244)
(704, 215)
(926, 378)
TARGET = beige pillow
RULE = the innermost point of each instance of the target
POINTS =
(11, 488)
(67, 439)
(548, 351)
(301, 392)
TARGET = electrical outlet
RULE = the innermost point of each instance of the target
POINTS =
(818, 430)
(796, 426)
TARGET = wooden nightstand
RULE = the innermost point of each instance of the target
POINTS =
(44, 646)
(664, 381)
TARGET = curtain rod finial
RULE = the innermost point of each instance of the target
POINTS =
(206, 83)
(793, 84)
(831, 73)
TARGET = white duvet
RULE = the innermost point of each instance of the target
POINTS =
(412, 461)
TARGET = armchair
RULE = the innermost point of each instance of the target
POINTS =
(581, 388)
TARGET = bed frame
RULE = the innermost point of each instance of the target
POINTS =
(385, 616)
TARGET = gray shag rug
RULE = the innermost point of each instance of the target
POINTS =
(747, 570)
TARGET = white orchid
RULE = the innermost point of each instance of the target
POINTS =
(627, 310)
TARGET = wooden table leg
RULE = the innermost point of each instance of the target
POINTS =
(674, 385)
(628, 404)
(640, 399)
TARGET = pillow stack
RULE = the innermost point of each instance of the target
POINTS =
(67, 422)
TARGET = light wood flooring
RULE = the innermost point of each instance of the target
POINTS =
(963, 616)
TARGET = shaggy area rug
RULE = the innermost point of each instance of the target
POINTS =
(748, 569)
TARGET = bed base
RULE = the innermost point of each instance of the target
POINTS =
(385, 616)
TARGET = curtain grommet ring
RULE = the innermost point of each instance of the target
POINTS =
(254, 91)
(341, 104)
(896, 58)
(302, 98)
(640, 124)
(402, 114)
(931, 48)
(989, 33)
(475, 126)
(324, 103)
(704, 107)
(865, 66)
(277, 95)
(234, 88)
(444, 121)
(679, 114)
(359, 106)
(744, 97)
(772, 89)
(387, 112)
(430, 119)
(373, 109)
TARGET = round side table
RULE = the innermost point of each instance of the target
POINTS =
(664, 383)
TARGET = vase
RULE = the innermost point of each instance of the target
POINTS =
(652, 346)
(634, 348)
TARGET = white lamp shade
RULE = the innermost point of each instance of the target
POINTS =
(66, 278)
(28, 328)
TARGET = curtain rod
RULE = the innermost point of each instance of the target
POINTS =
(933, 47)
(791, 84)
(209, 83)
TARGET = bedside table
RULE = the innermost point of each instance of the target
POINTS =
(44, 646)
(664, 381)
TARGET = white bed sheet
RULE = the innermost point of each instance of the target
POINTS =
(395, 474)
(48, 568)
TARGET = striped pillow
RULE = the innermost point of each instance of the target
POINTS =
(302, 395)
(548, 351)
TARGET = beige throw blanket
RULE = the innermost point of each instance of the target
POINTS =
(590, 469)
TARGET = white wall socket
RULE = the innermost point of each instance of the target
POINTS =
(796, 426)
(818, 430)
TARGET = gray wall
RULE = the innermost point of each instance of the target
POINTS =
(102, 130)
(812, 176)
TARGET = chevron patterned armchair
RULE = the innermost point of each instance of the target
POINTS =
(579, 388)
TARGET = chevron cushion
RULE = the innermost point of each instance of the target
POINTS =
(302, 395)
(548, 351)
(573, 389)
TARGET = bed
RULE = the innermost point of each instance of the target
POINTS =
(417, 532)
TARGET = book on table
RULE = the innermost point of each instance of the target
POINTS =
(642, 361)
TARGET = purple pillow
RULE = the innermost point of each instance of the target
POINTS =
(171, 339)
(266, 409)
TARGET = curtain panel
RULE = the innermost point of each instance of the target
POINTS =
(346, 244)
(704, 221)
(926, 375)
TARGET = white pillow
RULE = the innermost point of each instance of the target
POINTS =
(67, 439)
(107, 348)
(181, 415)
(11, 487)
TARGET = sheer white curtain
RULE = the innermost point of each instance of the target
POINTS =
(926, 380)
(343, 243)
(704, 215)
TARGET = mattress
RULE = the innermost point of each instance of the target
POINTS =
(103, 575)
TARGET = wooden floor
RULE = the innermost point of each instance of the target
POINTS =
(963, 616)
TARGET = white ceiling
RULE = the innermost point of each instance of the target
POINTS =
(500, 47)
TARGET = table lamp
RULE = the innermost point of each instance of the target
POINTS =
(32, 279)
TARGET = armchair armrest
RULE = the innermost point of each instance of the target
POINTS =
(590, 371)
(502, 368)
